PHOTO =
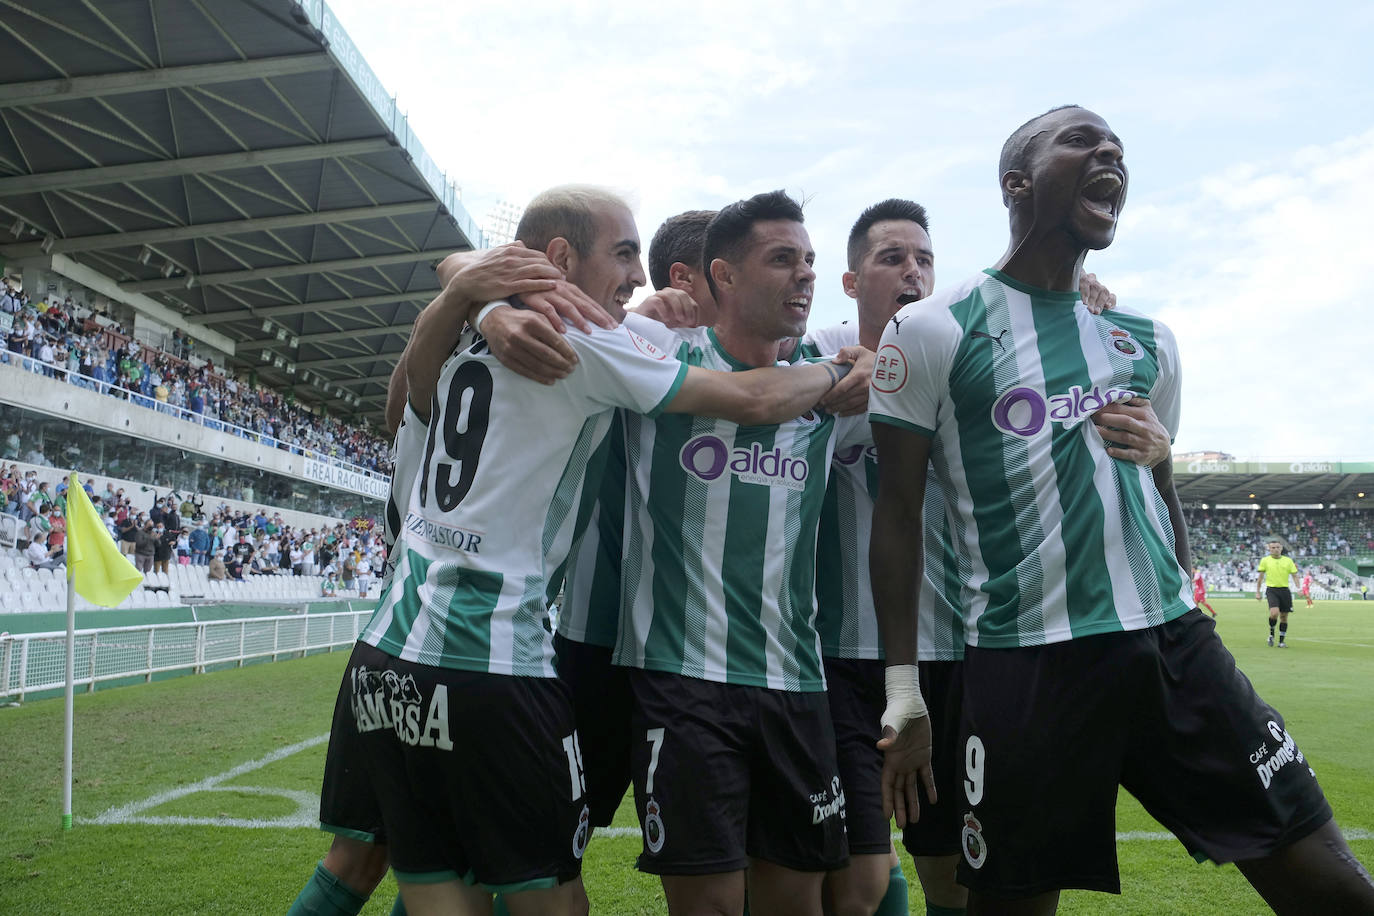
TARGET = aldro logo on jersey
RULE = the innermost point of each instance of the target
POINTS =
(1023, 411)
(385, 699)
(707, 457)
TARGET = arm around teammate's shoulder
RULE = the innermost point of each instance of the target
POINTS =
(761, 397)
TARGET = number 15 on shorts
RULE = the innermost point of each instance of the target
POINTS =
(573, 749)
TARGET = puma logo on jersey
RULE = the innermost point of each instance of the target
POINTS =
(897, 325)
(986, 336)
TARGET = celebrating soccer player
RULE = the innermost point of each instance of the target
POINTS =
(1086, 665)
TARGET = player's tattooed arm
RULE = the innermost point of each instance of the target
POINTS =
(895, 567)
(1095, 296)
(850, 397)
(763, 396)
(1163, 473)
(1132, 432)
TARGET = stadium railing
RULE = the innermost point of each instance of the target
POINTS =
(36, 662)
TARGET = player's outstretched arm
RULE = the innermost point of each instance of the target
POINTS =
(895, 569)
(763, 396)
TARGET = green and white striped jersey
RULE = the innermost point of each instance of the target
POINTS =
(1055, 539)
(591, 592)
(407, 450)
(497, 497)
(720, 537)
(845, 618)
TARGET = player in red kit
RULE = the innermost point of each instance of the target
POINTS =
(1200, 591)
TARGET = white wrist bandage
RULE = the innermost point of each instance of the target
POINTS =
(486, 310)
(904, 700)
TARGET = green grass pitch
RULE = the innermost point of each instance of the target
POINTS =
(192, 826)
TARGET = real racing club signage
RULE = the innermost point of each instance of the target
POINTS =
(346, 479)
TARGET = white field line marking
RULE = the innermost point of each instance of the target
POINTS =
(305, 815)
(1125, 836)
(1338, 642)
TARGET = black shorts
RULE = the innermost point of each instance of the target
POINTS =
(857, 699)
(348, 801)
(477, 776)
(1049, 732)
(601, 703)
(1281, 598)
(937, 832)
(724, 773)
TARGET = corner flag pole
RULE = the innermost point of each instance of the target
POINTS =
(70, 691)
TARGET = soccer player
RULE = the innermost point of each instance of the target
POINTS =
(1307, 586)
(1072, 576)
(1200, 591)
(491, 516)
(734, 762)
(357, 857)
(1274, 572)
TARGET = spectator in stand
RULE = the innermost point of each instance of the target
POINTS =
(330, 586)
(42, 556)
(200, 544)
(235, 567)
(217, 571)
(128, 533)
(183, 547)
(145, 546)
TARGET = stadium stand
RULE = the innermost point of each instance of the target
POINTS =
(282, 556)
(67, 341)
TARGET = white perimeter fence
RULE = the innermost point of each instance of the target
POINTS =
(34, 662)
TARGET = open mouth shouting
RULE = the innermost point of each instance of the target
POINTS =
(908, 294)
(1101, 193)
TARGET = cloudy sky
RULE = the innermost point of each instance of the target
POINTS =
(1248, 130)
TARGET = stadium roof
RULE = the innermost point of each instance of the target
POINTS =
(234, 161)
(1275, 483)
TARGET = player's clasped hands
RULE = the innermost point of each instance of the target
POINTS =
(850, 396)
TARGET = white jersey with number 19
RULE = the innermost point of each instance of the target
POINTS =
(495, 504)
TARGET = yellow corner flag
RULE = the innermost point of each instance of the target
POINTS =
(100, 573)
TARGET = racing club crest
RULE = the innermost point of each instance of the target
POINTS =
(583, 833)
(653, 828)
(975, 847)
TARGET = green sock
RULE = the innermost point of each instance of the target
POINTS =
(398, 908)
(895, 901)
(498, 907)
(325, 895)
(933, 910)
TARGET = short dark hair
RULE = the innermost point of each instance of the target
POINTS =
(565, 212)
(728, 229)
(1016, 151)
(892, 208)
(681, 238)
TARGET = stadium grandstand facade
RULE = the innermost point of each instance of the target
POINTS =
(216, 229)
